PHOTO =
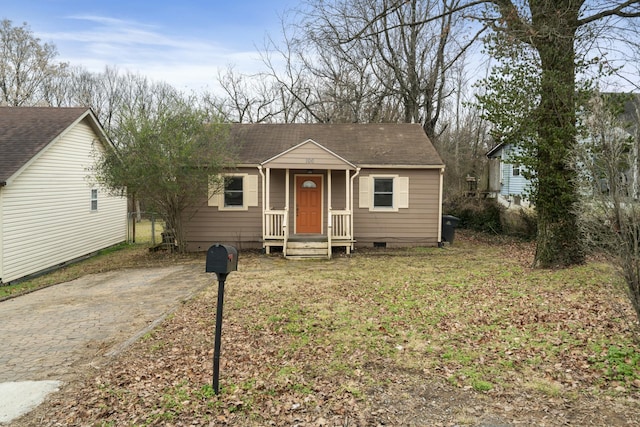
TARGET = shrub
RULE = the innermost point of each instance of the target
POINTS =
(476, 214)
(522, 223)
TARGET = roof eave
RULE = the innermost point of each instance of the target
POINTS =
(401, 166)
(365, 166)
(495, 149)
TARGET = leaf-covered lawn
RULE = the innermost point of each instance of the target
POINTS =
(465, 335)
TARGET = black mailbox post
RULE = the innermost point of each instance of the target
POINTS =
(222, 260)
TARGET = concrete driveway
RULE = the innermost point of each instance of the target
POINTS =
(49, 334)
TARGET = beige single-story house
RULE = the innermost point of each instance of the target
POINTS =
(308, 188)
(51, 210)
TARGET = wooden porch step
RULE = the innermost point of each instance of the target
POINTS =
(307, 250)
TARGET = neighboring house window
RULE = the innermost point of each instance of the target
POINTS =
(94, 199)
(516, 169)
(233, 192)
(240, 192)
(384, 192)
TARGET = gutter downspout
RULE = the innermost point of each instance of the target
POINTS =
(351, 209)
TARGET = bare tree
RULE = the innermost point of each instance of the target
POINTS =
(396, 72)
(606, 164)
(117, 96)
(465, 141)
(248, 99)
(27, 66)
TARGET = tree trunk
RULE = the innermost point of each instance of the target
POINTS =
(558, 242)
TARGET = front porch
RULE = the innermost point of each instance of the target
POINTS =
(338, 235)
(307, 206)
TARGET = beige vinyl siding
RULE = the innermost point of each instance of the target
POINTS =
(207, 225)
(277, 193)
(46, 210)
(416, 225)
(308, 155)
(338, 190)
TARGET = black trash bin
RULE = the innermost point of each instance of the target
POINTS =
(449, 223)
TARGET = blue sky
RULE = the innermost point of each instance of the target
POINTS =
(182, 42)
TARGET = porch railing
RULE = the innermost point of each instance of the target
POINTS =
(275, 225)
(340, 222)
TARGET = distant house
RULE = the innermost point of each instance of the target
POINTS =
(507, 182)
(308, 188)
(51, 211)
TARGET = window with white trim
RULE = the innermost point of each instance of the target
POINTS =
(94, 199)
(516, 169)
(240, 191)
(233, 192)
(384, 192)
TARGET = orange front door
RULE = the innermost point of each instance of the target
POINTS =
(308, 204)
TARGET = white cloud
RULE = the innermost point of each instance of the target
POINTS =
(96, 41)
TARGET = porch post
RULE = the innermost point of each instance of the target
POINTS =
(264, 210)
(286, 212)
(329, 189)
(347, 191)
(286, 189)
(329, 218)
(351, 208)
(267, 203)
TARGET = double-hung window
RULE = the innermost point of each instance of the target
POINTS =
(94, 199)
(516, 169)
(234, 191)
(384, 192)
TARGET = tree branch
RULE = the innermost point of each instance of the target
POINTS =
(365, 31)
(616, 11)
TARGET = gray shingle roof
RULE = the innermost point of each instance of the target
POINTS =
(362, 144)
(24, 131)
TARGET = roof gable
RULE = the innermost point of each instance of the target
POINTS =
(496, 151)
(380, 144)
(25, 132)
(309, 154)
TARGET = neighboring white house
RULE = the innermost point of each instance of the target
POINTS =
(51, 210)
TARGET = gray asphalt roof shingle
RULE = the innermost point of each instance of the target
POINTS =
(361, 144)
(24, 131)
